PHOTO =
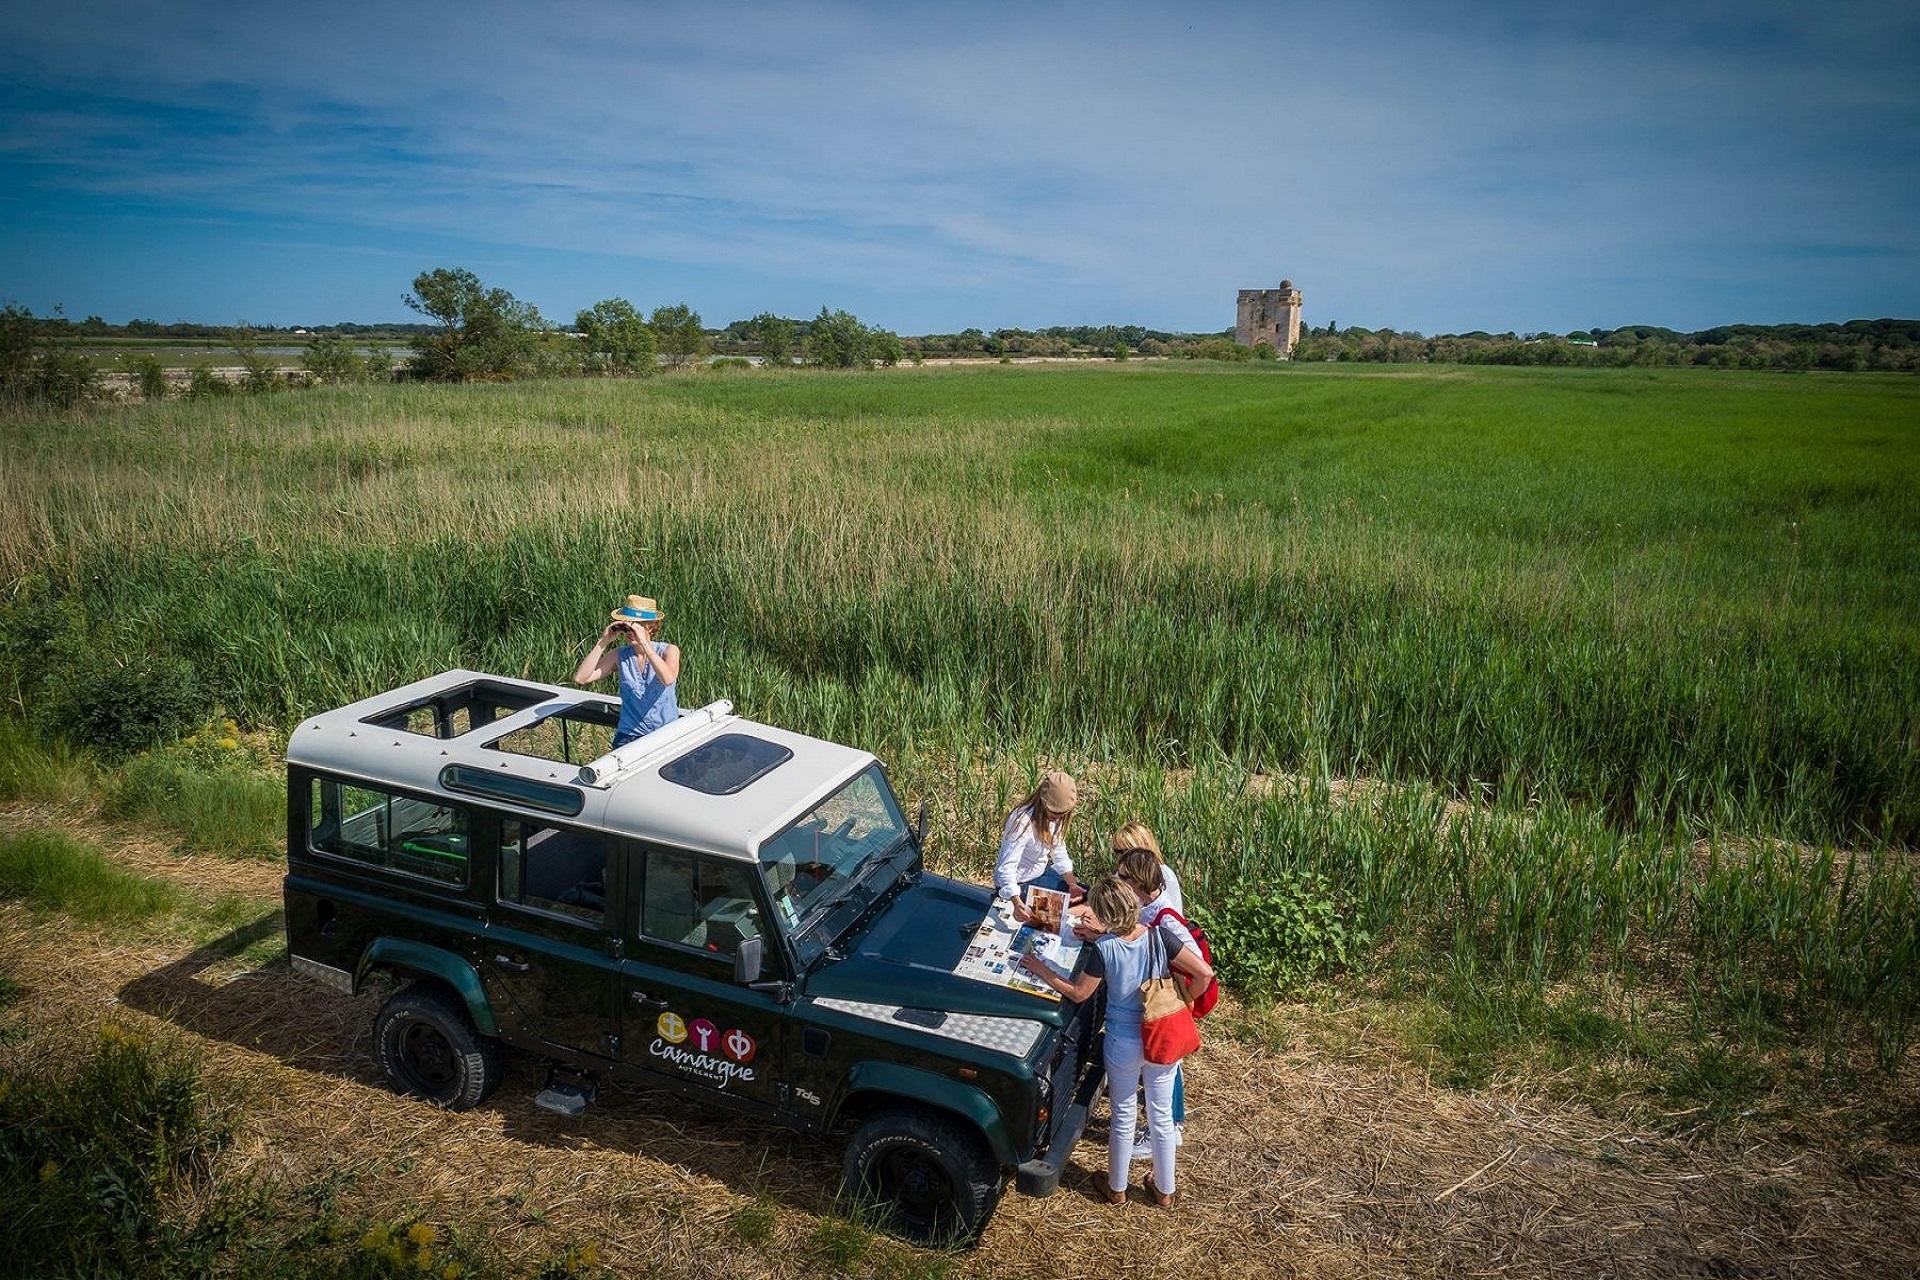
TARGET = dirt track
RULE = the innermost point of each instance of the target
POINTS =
(1294, 1164)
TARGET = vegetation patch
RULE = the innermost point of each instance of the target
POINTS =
(52, 871)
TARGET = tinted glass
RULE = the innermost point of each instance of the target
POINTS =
(393, 832)
(806, 864)
(699, 902)
(550, 796)
(729, 763)
(555, 870)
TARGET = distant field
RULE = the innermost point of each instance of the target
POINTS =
(1643, 625)
(116, 355)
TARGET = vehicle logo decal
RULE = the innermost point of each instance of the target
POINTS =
(695, 1046)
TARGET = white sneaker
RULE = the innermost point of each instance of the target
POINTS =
(1142, 1150)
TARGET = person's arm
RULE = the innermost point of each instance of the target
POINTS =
(1190, 971)
(600, 661)
(1074, 989)
(1006, 867)
(665, 665)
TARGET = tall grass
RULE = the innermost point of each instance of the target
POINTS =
(1632, 654)
(54, 871)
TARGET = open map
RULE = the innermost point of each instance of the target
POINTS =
(994, 949)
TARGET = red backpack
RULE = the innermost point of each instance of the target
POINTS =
(1204, 1002)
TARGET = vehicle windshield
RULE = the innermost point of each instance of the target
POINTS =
(811, 863)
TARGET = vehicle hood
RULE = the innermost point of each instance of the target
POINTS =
(907, 957)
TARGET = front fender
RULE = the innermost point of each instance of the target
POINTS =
(422, 958)
(911, 1084)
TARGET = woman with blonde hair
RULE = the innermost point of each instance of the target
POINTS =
(1125, 958)
(1033, 843)
(1141, 868)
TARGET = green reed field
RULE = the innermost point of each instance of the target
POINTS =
(1626, 663)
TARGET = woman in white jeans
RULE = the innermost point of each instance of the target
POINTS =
(1124, 958)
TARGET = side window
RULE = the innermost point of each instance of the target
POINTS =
(398, 833)
(699, 902)
(553, 869)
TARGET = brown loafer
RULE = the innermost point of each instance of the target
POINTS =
(1114, 1197)
(1164, 1201)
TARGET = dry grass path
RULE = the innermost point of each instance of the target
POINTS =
(1296, 1163)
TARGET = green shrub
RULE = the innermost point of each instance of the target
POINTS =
(1285, 930)
(120, 704)
(64, 378)
(216, 806)
(202, 384)
(54, 871)
(150, 376)
(93, 1155)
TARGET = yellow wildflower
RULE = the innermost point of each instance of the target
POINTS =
(228, 744)
(49, 1171)
(589, 1255)
(425, 1259)
(376, 1237)
(422, 1234)
(452, 1271)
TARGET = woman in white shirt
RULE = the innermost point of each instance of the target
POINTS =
(1033, 844)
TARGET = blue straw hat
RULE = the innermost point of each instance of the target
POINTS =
(638, 609)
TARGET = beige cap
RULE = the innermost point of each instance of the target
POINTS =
(1058, 793)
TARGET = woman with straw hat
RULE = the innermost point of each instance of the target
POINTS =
(1033, 843)
(647, 667)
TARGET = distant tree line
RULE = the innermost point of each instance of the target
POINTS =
(1856, 346)
(471, 332)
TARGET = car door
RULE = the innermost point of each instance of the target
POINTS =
(548, 956)
(683, 1017)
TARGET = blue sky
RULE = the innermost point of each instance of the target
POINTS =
(1435, 167)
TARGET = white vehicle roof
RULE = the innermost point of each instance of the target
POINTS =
(622, 792)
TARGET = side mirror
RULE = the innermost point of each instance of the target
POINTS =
(746, 960)
(920, 827)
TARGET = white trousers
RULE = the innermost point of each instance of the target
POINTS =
(1127, 1071)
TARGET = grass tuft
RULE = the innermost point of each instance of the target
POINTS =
(53, 871)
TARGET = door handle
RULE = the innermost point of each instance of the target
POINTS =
(646, 1001)
(512, 964)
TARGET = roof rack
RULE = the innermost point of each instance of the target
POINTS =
(616, 764)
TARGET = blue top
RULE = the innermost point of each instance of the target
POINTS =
(1125, 965)
(646, 702)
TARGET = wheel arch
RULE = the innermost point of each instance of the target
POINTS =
(877, 1086)
(424, 960)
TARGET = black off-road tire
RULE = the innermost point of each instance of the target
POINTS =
(930, 1177)
(428, 1048)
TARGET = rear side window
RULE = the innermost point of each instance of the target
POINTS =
(552, 869)
(393, 832)
(731, 762)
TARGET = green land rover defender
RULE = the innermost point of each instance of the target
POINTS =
(721, 908)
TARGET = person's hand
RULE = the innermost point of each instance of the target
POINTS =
(1034, 965)
(607, 636)
(1020, 912)
(1086, 930)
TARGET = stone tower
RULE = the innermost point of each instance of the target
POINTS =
(1271, 316)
